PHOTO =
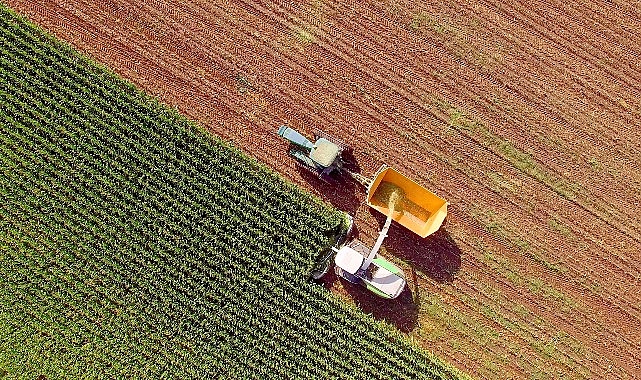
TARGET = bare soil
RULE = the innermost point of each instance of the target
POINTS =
(524, 115)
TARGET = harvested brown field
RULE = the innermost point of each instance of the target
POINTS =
(525, 116)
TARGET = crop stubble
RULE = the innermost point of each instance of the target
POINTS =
(395, 91)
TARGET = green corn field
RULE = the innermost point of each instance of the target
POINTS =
(135, 244)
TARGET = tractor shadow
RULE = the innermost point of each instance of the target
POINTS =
(401, 312)
(437, 256)
(343, 192)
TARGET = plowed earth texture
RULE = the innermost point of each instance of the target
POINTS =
(134, 244)
(524, 115)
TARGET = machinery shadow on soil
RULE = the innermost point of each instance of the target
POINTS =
(401, 312)
(343, 192)
(436, 256)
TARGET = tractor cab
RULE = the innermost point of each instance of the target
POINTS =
(325, 153)
(321, 157)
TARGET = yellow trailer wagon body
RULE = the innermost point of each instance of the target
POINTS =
(419, 210)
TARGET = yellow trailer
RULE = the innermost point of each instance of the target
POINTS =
(418, 209)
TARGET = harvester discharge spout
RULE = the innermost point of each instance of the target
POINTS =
(377, 246)
(394, 200)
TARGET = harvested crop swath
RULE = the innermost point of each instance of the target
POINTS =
(133, 243)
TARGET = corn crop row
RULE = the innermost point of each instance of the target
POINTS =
(135, 244)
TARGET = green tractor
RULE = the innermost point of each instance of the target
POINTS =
(323, 157)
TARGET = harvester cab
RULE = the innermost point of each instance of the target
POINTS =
(397, 197)
(359, 265)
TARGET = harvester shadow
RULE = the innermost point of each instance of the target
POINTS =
(437, 256)
(401, 312)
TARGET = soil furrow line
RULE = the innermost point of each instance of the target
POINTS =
(539, 22)
(569, 325)
(419, 103)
